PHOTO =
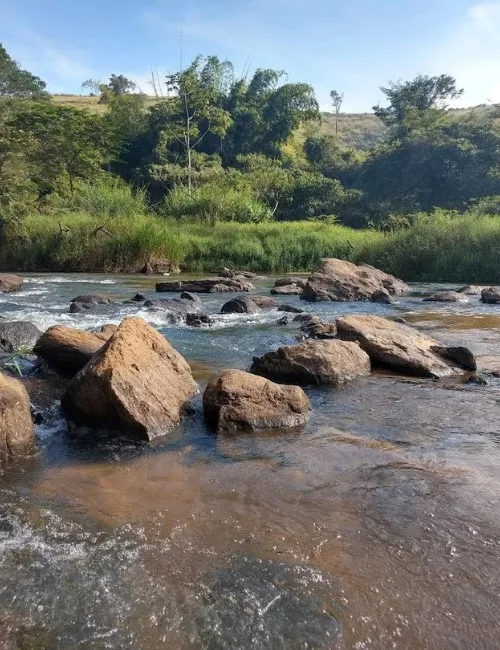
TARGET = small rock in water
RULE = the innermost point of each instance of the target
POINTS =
(292, 309)
(198, 320)
(265, 302)
(239, 401)
(287, 290)
(470, 290)
(15, 334)
(240, 305)
(315, 328)
(10, 282)
(284, 320)
(381, 296)
(490, 296)
(139, 297)
(447, 296)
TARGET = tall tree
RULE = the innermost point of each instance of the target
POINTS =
(337, 99)
(16, 82)
(417, 103)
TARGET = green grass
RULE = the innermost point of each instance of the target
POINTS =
(442, 247)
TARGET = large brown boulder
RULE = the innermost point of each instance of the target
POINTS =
(137, 384)
(314, 362)
(218, 285)
(400, 347)
(10, 282)
(238, 401)
(67, 349)
(342, 281)
(17, 433)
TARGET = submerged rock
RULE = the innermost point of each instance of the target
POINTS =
(342, 281)
(490, 296)
(17, 433)
(447, 296)
(14, 334)
(398, 346)
(314, 362)
(239, 401)
(219, 285)
(240, 305)
(10, 282)
(198, 320)
(138, 384)
(67, 349)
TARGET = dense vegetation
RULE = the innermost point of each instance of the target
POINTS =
(209, 172)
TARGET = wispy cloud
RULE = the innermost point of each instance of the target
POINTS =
(472, 54)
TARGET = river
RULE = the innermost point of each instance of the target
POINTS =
(375, 527)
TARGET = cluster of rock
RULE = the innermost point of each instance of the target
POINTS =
(129, 378)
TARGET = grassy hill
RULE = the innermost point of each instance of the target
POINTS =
(357, 130)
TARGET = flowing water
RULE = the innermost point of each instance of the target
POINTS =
(376, 526)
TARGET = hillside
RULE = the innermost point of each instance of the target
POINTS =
(357, 130)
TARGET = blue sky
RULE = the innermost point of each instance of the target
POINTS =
(354, 46)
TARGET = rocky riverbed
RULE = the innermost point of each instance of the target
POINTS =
(372, 523)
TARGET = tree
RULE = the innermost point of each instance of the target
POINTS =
(337, 100)
(416, 104)
(68, 144)
(16, 82)
(119, 85)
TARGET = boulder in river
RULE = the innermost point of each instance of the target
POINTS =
(10, 282)
(138, 384)
(239, 401)
(342, 281)
(396, 346)
(381, 296)
(219, 285)
(314, 362)
(447, 296)
(287, 290)
(14, 334)
(490, 296)
(291, 309)
(87, 302)
(470, 290)
(17, 434)
(67, 349)
(176, 309)
(265, 302)
(199, 320)
(284, 282)
(315, 328)
(240, 305)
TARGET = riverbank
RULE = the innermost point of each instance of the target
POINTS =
(441, 247)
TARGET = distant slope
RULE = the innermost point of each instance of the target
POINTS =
(357, 130)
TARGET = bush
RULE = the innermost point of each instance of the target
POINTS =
(107, 197)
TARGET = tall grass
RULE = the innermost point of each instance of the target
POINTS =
(438, 247)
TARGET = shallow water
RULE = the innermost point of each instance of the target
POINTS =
(374, 527)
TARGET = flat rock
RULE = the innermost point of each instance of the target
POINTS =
(219, 285)
(314, 362)
(283, 282)
(137, 384)
(342, 281)
(15, 334)
(287, 290)
(10, 282)
(470, 290)
(265, 302)
(240, 305)
(447, 296)
(67, 349)
(291, 309)
(224, 272)
(397, 346)
(238, 401)
(17, 433)
(490, 296)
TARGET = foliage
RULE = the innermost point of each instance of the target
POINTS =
(16, 82)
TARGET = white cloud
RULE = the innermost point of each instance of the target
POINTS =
(472, 55)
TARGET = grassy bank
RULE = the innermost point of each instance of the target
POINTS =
(440, 247)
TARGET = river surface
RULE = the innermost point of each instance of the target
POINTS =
(376, 526)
